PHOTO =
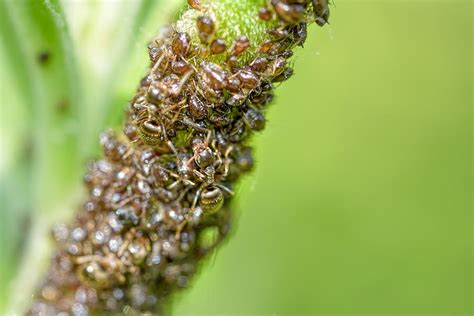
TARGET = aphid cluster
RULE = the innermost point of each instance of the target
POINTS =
(158, 200)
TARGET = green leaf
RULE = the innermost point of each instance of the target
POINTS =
(38, 115)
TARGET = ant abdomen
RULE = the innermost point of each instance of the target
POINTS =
(211, 200)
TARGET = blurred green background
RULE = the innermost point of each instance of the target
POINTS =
(361, 202)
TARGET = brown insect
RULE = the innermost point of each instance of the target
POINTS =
(265, 46)
(265, 14)
(259, 64)
(195, 4)
(289, 13)
(248, 79)
(218, 46)
(321, 11)
(196, 108)
(213, 75)
(278, 66)
(240, 45)
(285, 75)
(206, 28)
(101, 271)
(181, 44)
(254, 119)
(278, 33)
(180, 67)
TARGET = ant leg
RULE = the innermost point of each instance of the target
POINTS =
(224, 188)
(173, 185)
(227, 160)
(181, 196)
(172, 148)
(208, 137)
(130, 151)
(127, 239)
(201, 176)
(190, 160)
(196, 197)
(180, 227)
(158, 63)
(187, 121)
(84, 259)
(185, 78)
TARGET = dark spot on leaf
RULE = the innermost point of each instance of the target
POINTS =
(43, 57)
(62, 106)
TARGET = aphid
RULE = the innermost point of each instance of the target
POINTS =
(180, 67)
(139, 248)
(127, 216)
(211, 199)
(146, 81)
(262, 96)
(248, 79)
(245, 159)
(279, 65)
(140, 100)
(212, 96)
(236, 133)
(259, 64)
(240, 45)
(195, 4)
(289, 13)
(233, 84)
(102, 271)
(164, 195)
(220, 117)
(321, 11)
(181, 44)
(113, 149)
(156, 93)
(196, 108)
(218, 46)
(203, 52)
(265, 46)
(205, 27)
(287, 73)
(213, 75)
(236, 100)
(265, 14)
(254, 119)
(232, 62)
(131, 132)
(278, 33)
(287, 54)
(299, 34)
(159, 174)
(169, 86)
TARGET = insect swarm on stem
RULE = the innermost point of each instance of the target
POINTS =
(168, 178)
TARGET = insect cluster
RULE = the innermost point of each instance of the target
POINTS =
(158, 200)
